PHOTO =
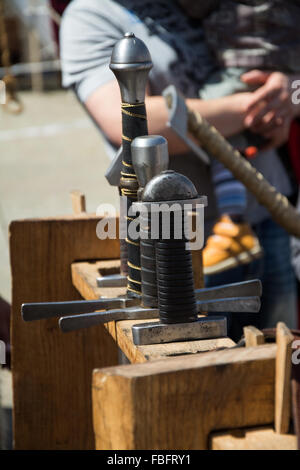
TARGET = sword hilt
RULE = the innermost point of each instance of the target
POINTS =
(131, 63)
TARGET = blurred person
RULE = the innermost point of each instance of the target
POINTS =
(181, 57)
(266, 59)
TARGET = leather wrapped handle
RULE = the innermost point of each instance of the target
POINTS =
(134, 124)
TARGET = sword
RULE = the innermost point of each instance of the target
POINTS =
(131, 63)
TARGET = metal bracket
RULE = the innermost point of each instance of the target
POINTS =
(156, 332)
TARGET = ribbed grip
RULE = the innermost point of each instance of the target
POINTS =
(175, 280)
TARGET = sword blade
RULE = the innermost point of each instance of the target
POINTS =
(43, 310)
(239, 289)
(233, 305)
(77, 322)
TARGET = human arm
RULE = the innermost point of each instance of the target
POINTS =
(226, 114)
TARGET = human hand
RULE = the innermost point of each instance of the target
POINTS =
(271, 105)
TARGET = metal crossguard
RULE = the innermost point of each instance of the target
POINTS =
(238, 297)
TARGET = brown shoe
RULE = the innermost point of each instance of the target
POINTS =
(230, 245)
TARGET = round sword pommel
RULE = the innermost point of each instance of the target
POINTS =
(131, 63)
(169, 186)
(130, 52)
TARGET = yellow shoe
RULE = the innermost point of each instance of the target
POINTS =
(230, 245)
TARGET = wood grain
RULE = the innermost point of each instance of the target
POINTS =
(176, 403)
(51, 370)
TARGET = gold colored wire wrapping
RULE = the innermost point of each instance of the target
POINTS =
(127, 164)
(133, 266)
(132, 175)
(127, 192)
(132, 280)
(128, 105)
(131, 242)
(132, 290)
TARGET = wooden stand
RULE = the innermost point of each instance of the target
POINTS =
(180, 403)
(159, 401)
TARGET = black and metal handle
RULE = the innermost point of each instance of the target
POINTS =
(131, 63)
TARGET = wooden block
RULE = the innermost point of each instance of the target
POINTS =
(84, 277)
(253, 336)
(78, 202)
(284, 339)
(253, 439)
(51, 370)
(176, 403)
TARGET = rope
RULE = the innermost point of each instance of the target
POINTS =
(216, 145)
(12, 103)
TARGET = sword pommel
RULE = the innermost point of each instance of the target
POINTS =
(150, 157)
(131, 63)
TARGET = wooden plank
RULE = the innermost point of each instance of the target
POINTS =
(85, 273)
(84, 276)
(176, 403)
(78, 202)
(51, 370)
(253, 439)
(253, 336)
(284, 339)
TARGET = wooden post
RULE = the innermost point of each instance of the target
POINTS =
(51, 370)
(253, 336)
(284, 339)
(78, 202)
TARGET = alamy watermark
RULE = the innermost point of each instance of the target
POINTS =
(164, 220)
(296, 93)
(2, 92)
(296, 353)
(2, 352)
